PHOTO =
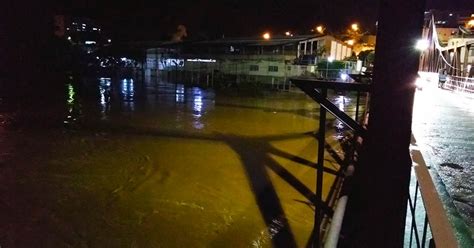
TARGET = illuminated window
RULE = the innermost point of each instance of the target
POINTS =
(254, 68)
(273, 68)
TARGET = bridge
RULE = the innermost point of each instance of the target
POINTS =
(456, 57)
(384, 170)
(432, 229)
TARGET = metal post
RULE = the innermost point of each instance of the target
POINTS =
(327, 68)
(425, 229)
(378, 201)
(357, 106)
(318, 213)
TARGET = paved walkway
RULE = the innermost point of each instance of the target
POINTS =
(443, 124)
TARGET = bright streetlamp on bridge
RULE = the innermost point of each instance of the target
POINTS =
(422, 44)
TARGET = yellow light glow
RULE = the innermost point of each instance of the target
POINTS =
(470, 23)
(320, 29)
(350, 42)
(266, 36)
(355, 27)
(287, 33)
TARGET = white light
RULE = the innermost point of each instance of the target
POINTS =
(89, 42)
(419, 83)
(450, 14)
(123, 59)
(344, 76)
(69, 38)
(202, 60)
(109, 40)
(422, 44)
(330, 59)
(97, 57)
(94, 29)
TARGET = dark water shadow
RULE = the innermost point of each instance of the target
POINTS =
(299, 160)
(309, 113)
(254, 152)
(253, 157)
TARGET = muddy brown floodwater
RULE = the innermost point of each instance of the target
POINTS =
(156, 164)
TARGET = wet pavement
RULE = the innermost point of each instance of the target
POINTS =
(443, 125)
(157, 164)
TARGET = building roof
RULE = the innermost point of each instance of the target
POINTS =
(257, 41)
(237, 41)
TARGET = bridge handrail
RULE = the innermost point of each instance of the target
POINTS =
(317, 89)
(463, 84)
(441, 229)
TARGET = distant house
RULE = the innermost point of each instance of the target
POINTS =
(270, 61)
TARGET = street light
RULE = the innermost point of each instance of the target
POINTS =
(287, 33)
(320, 29)
(329, 60)
(470, 23)
(422, 44)
(266, 36)
(355, 27)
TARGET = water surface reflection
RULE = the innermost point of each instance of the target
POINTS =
(168, 159)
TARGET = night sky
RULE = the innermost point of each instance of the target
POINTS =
(145, 20)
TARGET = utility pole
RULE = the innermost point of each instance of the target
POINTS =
(378, 201)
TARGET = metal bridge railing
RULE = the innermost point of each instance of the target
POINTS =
(461, 84)
(436, 230)
(318, 91)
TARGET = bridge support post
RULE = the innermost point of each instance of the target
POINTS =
(319, 212)
(378, 203)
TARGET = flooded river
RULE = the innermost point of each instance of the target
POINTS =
(155, 164)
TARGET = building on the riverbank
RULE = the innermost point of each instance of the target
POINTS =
(81, 32)
(235, 60)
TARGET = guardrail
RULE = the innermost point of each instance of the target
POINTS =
(317, 90)
(437, 230)
(460, 84)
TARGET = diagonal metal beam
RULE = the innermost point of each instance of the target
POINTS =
(333, 109)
